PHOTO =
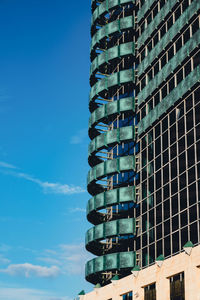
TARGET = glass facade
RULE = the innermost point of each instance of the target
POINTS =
(144, 128)
(169, 147)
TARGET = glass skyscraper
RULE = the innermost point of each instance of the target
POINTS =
(144, 128)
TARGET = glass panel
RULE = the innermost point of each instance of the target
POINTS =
(177, 290)
(150, 292)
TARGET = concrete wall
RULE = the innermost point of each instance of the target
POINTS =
(189, 264)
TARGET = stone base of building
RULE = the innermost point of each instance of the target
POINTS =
(161, 276)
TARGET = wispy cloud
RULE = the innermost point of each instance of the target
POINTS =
(77, 209)
(4, 249)
(48, 187)
(10, 293)
(6, 165)
(70, 258)
(4, 260)
(29, 270)
(79, 137)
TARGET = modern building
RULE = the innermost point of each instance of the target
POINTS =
(144, 152)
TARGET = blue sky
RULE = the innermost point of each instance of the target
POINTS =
(44, 75)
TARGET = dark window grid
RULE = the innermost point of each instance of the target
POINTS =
(179, 190)
(185, 138)
(172, 17)
(191, 209)
(196, 110)
(198, 212)
(198, 204)
(150, 136)
(184, 235)
(194, 237)
(163, 238)
(169, 55)
(147, 167)
(148, 19)
(185, 110)
(196, 97)
(145, 105)
(189, 131)
(147, 244)
(194, 153)
(196, 124)
(174, 242)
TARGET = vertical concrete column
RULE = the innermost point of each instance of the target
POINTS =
(192, 279)
(162, 284)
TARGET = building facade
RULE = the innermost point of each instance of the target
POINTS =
(144, 152)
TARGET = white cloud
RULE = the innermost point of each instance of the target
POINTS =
(48, 187)
(3, 251)
(7, 293)
(4, 260)
(6, 165)
(70, 258)
(29, 270)
(79, 137)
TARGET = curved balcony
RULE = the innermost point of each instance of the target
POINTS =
(112, 152)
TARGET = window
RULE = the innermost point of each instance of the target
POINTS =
(187, 68)
(163, 60)
(170, 22)
(178, 44)
(163, 30)
(150, 292)
(156, 68)
(179, 76)
(149, 18)
(164, 91)
(155, 39)
(196, 60)
(143, 112)
(128, 296)
(185, 4)
(171, 53)
(150, 75)
(157, 99)
(195, 26)
(177, 13)
(149, 47)
(155, 11)
(150, 105)
(177, 290)
(143, 54)
(162, 3)
(186, 36)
